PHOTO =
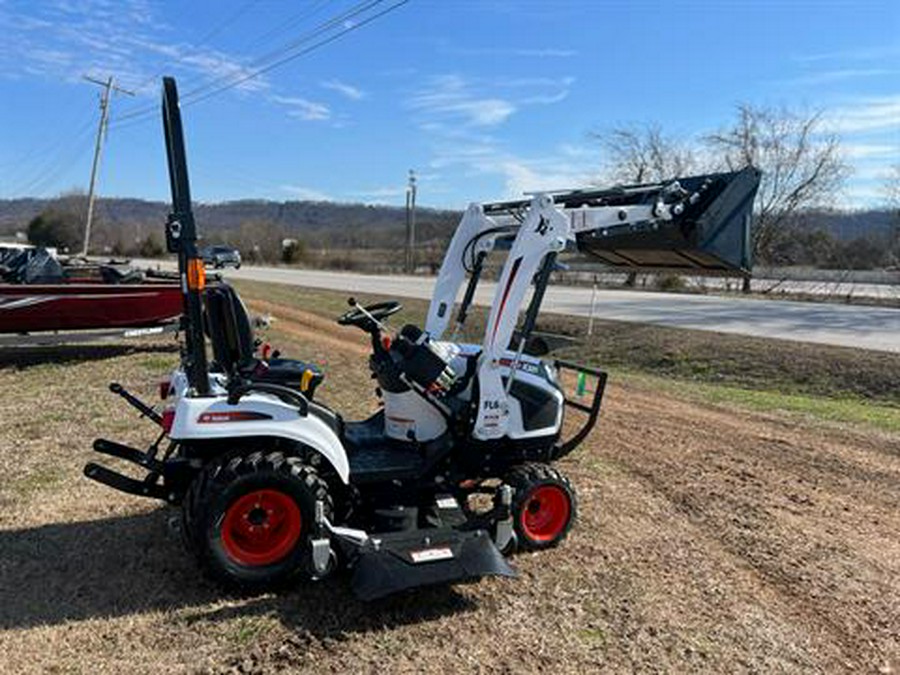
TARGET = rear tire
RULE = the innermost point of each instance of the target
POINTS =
(248, 519)
(544, 506)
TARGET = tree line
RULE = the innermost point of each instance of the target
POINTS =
(803, 172)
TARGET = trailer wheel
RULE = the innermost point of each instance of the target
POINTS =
(544, 506)
(248, 519)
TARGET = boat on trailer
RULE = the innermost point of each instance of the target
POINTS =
(47, 301)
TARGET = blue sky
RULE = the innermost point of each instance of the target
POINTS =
(484, 99)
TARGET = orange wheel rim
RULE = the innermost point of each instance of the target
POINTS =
(546, 513)
(261, 528)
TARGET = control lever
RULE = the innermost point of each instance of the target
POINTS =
(135, 402)
(355, 305)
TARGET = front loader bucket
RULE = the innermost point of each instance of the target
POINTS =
(711, 236)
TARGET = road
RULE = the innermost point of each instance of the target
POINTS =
(876, 328)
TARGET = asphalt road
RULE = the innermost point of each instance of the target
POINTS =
(825, 323)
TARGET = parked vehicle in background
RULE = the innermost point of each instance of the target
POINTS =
(220, 256)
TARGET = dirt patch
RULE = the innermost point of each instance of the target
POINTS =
(303, 325)
(708, 541)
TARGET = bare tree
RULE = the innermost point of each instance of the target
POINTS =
(892, 196)
(636, 154)
(891, 189)
(800, 160)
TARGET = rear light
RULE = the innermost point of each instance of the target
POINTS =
(196, 274)
(165, 386)
(168, 418)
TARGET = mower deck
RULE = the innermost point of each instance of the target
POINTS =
(399, 561)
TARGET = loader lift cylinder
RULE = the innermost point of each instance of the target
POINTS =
(470, 291)
(534, 307)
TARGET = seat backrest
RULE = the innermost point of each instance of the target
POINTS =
(229, 328)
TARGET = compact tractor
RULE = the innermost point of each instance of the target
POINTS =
(456, 470)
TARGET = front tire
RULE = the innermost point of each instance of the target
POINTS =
(544, 506)
(248, 519)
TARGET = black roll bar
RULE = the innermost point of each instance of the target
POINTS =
(181, 238)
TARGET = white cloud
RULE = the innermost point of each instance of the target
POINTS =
(348, 90)
(552, 83)
(456, 117)
(224, 69)
(305, 193)
(541, 53)
(124, 38)
(381, 192)
(861, 195)
(547, 99)
(523, 176)
(838, 75)
(562, 168)
(870, 172)
(452, 97)
(875, 113)
(869, 150)
(304, 109)
(866, 53)
(453, 101)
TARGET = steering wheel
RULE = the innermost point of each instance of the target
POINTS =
(378, 311)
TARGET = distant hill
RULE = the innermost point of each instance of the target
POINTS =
(317, 222)
(849, 225)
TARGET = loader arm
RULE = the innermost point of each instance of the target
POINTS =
(705, 222)
(468, 241)
(545, 230)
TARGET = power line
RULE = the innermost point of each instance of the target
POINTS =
(204, 39)
(202, 93)
(150, 111)
(30, 156)
(55, 168)
(302, 52)
(59, 167)
(289, 24)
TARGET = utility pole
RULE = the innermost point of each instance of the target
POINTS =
(410, 262)
(108, 87)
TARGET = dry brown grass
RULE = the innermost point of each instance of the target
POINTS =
(708, 541)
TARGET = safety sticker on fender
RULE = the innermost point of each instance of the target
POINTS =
(431, 554)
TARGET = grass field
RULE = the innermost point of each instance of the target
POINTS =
(738, 513)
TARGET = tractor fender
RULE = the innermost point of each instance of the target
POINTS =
(256, 415)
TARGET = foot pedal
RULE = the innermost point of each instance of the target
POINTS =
(123, 483)
(504, 534)
(323, 558)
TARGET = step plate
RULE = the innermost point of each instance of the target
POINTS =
(426, 557)
(380, 464)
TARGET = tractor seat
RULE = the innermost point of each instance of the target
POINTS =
(300, 375)
(234, 345)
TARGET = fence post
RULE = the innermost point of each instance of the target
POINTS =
(590, 329)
